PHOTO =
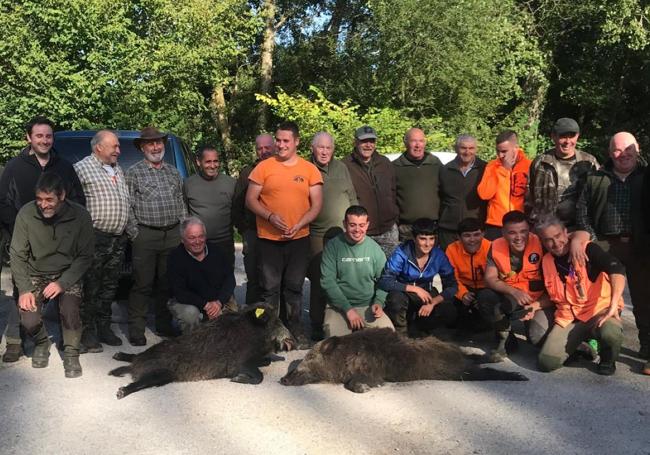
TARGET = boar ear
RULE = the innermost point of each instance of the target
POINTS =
(260, 314)
(328, 345)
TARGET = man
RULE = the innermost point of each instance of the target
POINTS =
(557, 176)
(588, 299)
(285, 193)
(157, 204)
(416, 176)
(201, 278)
(350, 269)
(51, 248)
(612, 209)
(504, 182)
(373, 177)
(338, 195)
(458, 196)
(514, 270)
(17, 189)
(413, 304)
(209, 196)
(244, 219)
(468, 257)
(107, 198)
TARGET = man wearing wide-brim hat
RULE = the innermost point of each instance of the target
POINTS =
(156, 190)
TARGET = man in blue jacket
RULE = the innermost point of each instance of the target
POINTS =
(413, 303)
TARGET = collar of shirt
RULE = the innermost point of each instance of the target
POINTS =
(469, 168)
(205, 254)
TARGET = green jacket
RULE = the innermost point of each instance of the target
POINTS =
(350, 272)
(593, 202)
(417, 188)
(338, 195)
(62, 245)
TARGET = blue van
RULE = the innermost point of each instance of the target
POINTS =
(75, 145)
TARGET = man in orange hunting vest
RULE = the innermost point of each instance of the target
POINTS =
(588, 299)
(514, 270)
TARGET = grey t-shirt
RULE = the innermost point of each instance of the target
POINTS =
(211, 201)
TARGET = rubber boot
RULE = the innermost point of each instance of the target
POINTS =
(499, 353)
(89, 341)
(12, 353)
(71, 341)
(41, 355)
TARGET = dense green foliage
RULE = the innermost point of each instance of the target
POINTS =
(473, 66)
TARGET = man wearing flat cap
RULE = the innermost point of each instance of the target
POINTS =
(557, 176)
(373, 177)
(157, 206)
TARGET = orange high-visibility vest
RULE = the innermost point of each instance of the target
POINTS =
(577, 298)
(529, 279)
(468, 268)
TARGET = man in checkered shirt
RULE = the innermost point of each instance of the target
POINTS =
(157, 205)
(107, 200)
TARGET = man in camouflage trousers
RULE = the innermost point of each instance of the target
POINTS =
(107, 199)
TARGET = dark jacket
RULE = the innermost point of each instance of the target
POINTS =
(417, 188)
(376, 189)
(242, 218)
(19, 179)
(62, 245)
(196, 283)
(458, 196)
(402, 269)
(593, 202)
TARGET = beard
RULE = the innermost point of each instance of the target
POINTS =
(155, 157)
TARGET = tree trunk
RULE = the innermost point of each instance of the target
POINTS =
(266, 61)
(220, 112)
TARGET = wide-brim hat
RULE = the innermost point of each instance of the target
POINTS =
(149, 133)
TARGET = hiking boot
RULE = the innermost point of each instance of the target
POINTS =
(71, 342)
(137, 340)
(41, 355)
(607, 365)
(89, 342)
(12, 353)
(107, 336)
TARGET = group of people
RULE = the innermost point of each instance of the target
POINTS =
(370, 234)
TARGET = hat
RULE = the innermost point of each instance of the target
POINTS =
(566, 125)
(149, 133)
(365, 132)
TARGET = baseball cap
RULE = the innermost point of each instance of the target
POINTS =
(365, 132)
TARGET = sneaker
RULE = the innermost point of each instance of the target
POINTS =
(13, 353)
(588, 349)
(107, 336)
(89, 342)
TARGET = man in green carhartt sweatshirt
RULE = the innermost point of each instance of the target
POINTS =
(351, 266)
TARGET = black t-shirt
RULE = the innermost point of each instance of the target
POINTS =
(599, 261)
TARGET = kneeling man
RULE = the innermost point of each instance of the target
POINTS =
(588, 299)
(200, 276)
(514, 270)
(413, 304)
(51, 248)
(350, 268)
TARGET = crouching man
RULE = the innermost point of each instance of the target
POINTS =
(200, 276)
(514, 270)
(350, 268)
(51, 248)
(413, 303)
(588, 299)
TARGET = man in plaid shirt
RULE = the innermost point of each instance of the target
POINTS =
(157, 206)
(107, 200)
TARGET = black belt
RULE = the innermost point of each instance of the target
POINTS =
(161, 228)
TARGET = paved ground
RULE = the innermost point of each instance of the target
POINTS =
(570, 411)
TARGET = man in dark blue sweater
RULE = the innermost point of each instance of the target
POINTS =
(201, 278)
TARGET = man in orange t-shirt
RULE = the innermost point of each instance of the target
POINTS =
(285, 193)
